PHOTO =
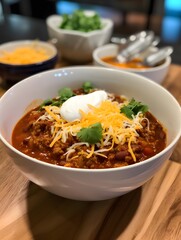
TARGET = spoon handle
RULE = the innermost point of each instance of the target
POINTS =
(134, 48)
(155, 58)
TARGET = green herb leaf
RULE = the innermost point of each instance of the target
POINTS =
(65, 93)
(92, 134)
(79, 21)
(46, 103)
(56, 103)
(87, 87)
(53, 102)
(133, 108)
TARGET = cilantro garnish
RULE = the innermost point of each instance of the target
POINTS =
(65, 93)
(79, 21)
(133, 108)
(46, 103)
(91, 134)
(53, 102)
(87, 87)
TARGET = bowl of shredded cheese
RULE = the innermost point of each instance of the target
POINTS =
(23, 58)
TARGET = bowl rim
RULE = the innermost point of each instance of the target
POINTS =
(50, 23)
(134, 70)
(124, 168)
(20, 43)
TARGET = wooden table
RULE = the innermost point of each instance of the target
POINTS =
(151, 212)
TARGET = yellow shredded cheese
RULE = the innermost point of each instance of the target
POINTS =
(24, 55)
(92, 151)
(53, 113)
(130, 149)
(117, 128)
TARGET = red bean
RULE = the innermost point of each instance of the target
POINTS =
(120, 156)
(148, 151)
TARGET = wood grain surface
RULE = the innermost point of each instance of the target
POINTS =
(151, 212)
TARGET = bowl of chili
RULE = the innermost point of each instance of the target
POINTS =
(105, 56)
(84, 137)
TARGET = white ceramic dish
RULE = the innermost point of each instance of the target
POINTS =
(157, 74)
(78, 46)
(84, 184)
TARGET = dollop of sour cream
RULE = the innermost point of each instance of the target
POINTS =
(70, 109)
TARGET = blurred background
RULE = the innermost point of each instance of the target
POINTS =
(23, 17)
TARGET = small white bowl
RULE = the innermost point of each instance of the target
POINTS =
(89, 184)
(157, 74)
(77, 46)
(16, 72)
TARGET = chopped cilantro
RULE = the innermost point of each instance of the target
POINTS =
(87, 87)
(65, 93)
(79, 21)
(91, 134)
(56, 103)
(52, 102)
(133, 108)
(46, 102)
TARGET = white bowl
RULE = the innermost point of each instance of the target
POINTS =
(78, 46)
(157, 74)
(86, 184)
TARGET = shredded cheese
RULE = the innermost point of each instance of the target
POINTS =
(130, 149)
(92, 151)
(24, 55)
(117, 128)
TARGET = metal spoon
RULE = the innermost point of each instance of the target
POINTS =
(156, 41)
(131, 38)
(118, 40)
(142, 34)
(125, 41)
(155, 58)
(134, 48)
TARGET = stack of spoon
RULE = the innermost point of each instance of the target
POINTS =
(138, 43)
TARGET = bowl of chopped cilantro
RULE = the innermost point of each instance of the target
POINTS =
(89, 133)
(79, 33)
